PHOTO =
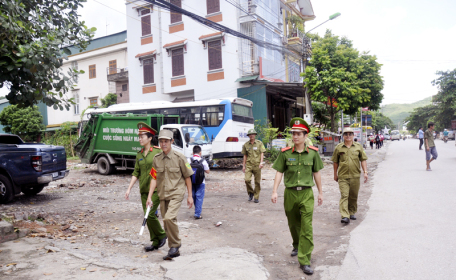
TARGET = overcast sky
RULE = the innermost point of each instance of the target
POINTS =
(411, 38)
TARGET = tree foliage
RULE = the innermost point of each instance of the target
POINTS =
(25, 122)
(380, 121)
(420, 117)
(110, 99)
(338, 73)
(35, 36)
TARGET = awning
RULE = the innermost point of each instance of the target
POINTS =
(247, 78)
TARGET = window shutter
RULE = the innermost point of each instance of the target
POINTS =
(112, 67)
(176, 17)
(145, 25)
(215, 54)
(213, 6)
(178, 62)
(148, 71)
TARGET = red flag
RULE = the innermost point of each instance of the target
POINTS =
(365, 109)
(153, 173)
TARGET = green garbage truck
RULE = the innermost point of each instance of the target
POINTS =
(111, 140)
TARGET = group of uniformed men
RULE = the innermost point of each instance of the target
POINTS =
(164, 177)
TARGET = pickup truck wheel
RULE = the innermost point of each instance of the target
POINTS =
(6, 190)
(104, 167)
(33, 190)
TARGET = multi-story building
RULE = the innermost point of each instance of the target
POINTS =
(173, 57)
(104, 62)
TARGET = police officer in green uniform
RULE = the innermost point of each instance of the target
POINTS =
(300, 165)
(346, 159)
(144, 160)
(253, 151)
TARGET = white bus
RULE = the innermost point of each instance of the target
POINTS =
(226, 121)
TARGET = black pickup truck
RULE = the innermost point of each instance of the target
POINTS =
(28, 167)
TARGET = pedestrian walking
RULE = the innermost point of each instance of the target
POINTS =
(381, 140)
(431, 150)
(300, 166)
(377, 141)
(171, 177)
(346, 162)
(253, 151)
(421, 137)
(371, 141)
(143, 165)
(200, 168)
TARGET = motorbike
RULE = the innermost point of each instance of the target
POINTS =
(445, 139)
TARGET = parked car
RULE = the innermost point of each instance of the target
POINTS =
(451, 134)
(395, 135)
(387, 136)
(28, 167)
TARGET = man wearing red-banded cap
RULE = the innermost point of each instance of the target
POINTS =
(143, 165)
(300, 165)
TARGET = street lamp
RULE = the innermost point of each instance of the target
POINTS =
(331, 17)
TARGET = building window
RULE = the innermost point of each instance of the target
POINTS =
(125, 87)
(74, 65)
(148, 71)
(176, 17)
(92, 71)
(145, 25)
(213, 6)
(76, 103)
(112, 67)
(178, 62)
(93, 101)
(215, 54)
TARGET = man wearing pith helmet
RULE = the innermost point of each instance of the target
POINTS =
(253, 151)
(300, 166)
(346, 158)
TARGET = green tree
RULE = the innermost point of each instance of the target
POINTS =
(110, 99)
(380, 121)
(420, 117)
(320, 114)
(25, 122)
(445, 100)
(35, 37)
(339, 74)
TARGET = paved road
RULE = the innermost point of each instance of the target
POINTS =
(409, 230)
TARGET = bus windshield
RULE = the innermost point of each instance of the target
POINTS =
(197, 134)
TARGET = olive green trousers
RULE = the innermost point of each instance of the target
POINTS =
(349, 189)
(153, 224)
(256, 172)
(299, 206)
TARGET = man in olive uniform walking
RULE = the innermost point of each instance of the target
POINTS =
(253, 151)
(171, 176)
(346, 159)
(300, 165)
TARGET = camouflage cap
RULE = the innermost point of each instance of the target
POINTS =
(251, 131)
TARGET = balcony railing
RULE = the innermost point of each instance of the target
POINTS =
(296, 34)
(117, 74)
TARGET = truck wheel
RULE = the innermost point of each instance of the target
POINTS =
(33, 190)
(104, 167)
(6, 190)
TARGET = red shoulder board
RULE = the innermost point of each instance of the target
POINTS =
(314, 148)
(286, 149)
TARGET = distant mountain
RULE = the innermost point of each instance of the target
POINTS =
(398, 112)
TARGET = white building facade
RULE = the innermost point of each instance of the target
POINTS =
(105, 65)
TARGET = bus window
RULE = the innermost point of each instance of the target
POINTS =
(242, 113)
(190, 115)
(213, 115)
(153, 111)
(170, 111)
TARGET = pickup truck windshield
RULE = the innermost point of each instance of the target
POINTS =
(10, 139)
(197, 135)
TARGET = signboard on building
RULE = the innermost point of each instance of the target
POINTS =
(357, 131)
(367, 120)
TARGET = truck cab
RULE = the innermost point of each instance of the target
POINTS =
(186, 136)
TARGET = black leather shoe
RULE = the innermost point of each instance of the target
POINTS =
(172, 253)
(149, 248)
(256, 200)
(250, 196)
(345, 220)
(162, 242)
(294, 253)
(306, 269)
(352, 217)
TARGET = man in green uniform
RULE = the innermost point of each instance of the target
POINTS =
(253, 151)
(346, 159)
(144, 159)
(171, 177)
(300, 166)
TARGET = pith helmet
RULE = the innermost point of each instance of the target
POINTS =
(165, 134)
(299, 124)
(144, 128)
(251, 131)
(348, 129)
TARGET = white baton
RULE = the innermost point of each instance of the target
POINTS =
(145, 221)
